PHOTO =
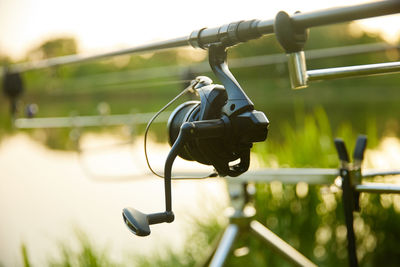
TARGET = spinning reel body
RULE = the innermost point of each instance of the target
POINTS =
(230, 105)
(237, 132)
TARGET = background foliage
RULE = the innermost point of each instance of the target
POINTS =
(303, 125)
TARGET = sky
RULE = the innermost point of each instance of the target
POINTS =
(101, 26)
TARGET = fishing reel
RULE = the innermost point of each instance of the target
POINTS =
(217, 139)
(218, 130)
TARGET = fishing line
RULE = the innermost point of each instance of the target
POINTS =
(190, 88)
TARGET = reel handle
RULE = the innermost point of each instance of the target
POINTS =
(138, 222)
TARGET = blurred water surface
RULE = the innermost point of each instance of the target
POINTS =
(45, 195)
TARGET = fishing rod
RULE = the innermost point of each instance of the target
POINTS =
(231, 34)
(290, 30)
(134, 76)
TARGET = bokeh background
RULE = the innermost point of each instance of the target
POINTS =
(56, 212)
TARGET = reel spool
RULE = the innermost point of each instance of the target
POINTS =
(236, 138)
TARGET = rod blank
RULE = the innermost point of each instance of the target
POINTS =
(216, 35)
(344, 14)
(64, 60)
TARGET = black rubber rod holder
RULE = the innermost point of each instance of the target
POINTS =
(341, 150)
(348, 200)
(233, 33)
(348, 205)
(361, 145)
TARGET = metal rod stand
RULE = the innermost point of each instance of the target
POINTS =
(242, 220)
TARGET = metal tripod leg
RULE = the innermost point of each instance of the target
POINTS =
(225, 246)
(242, 220)
(280, 246)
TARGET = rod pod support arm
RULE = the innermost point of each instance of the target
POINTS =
(292, 39)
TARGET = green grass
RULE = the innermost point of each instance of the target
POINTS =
(300, 136)
(313, 223)
(197, 247)
(25, 256)
(87, 254)
(309, 141)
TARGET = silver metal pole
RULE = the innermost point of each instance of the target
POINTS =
(353, 71)
(289, 176)
(87, 121)
(374, 173)
(297, 70)
(378, 188)
(279, 245)
(224, 246)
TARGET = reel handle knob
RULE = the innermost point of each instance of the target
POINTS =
(139, 223)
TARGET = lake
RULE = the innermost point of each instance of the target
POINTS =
(45, 195)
